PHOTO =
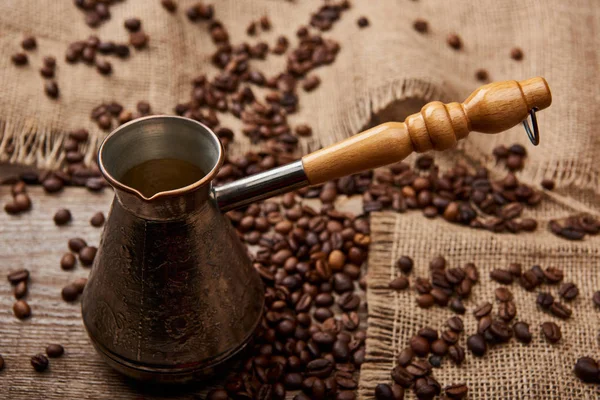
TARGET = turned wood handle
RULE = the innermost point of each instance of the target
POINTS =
(492, 108)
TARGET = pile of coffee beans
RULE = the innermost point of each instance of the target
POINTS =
(106, 114)
(575, 227)
(88, 52)
(96, 11)
(20, 279)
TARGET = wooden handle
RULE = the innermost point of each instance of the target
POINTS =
(492, 108)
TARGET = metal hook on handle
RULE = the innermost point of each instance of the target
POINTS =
(535, 135)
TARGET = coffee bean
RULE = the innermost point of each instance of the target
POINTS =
(484, 324)
(428, 333)
(29, 43)
(342, 283)
(500, 331)
(507, 310)
(47, 72)
(515, 269)
(345, 395)
(456, 391)
(22, 202)
(80, 283)
(97, 219)
(19, 59)
(456, 324)
(425, 300)
(132, 24)
(440, 297)
(340, 351)
(17, 276)
(521, 331)
(596, 298)
(437, 263)
(20, 290)
(62, 217)
(427, 388)
(311, 82)
(51, 89)
(292, 381)
(70, 293)
(516, 54)
(419, 345)
(502, 276)
(456, 353)
(529, 280)
(482, 75)
(560, 310)
(586, 369)
(422, 285)
(482, 310)
(476, 344)
(405, 264)
(454, 41)
(435, 361)
(568, 291)
(400, 283)
(138, 39)
(419, 368)
(406, 356)
(320, 368)
(421, 25)
(551, 332)
(39, 362)
(383, 392)
(503, 294)
(439, 347)
(55, 350)
(455, 275)
(169, 5)
(67, 262)
(104, 67)
(457, 305)
(553, 275)
(21, 309)
(362, 22)
(76, 244)
(87, 255)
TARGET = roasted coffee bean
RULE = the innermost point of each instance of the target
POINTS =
(97, 219)
(539, 272)
(292, 381)
(29, 43)
(560, 310)
(503, 294)
(553, 275)
(419, 345)
(440, 297)
(500, 331)
(52, 185)
(406, 356)
(548, 184)
(80, 283)
(345, 395)
(454, 41)
(405, 264)
(132, 24)
(138, 39)
(456, 391)
(435, 361)
(76, 244)
(484, 324)
(303, 130)
(551, 332)
(383, 392)
(482, 75)
(67, 262)
(428, 333)
(320, 368)
(419, 368)
(20, 290)
(51, 89)
(19, 59)
(586, 369)
(21, 309)
(87, 255)
(455, 275)
(450, 337)
(507, 310)
(522, 333)
(340, 351)
(456, 324)
(515, 269)
(342, 283)
(311, 82)
(457, 305)
(568, 291)
(516, 54)
(39, 362)
(400, 283)
(62, 217)
(169, 5)
(476, 344)
(456, 354)
(439, 347)
(420, 25)
(529, 280)
(47, 72)
(502, 276)
(324, 300)
(425, 300)
(17, 276)
(437, 263)
(362, 22)
(471, 272)
(596, 298)
(482, 310)
(427, 388)
(70, 293)
(422, 285)
(104, 67)
(55, 350)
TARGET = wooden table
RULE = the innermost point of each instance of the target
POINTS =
(33, 241)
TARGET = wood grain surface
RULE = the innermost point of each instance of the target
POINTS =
(32, 240)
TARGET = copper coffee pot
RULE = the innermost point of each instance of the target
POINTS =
(172, 292)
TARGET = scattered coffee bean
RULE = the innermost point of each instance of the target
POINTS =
(405, 264)
(551, 332)
(29, 43)
(454, 41)
(586, 369)
(76, 244)
(311, 82)
(560, 310)
(51, 89)
(516, 54)
(439, 347)
(476, 344)
(406, 356)
(54, 350)
(456, 391)
(503, 294)
(400, 283)
(21, 309)
(17, 276)
(87, 255)
(502, 276)
(67, 262)
(97, 219)
(521, 331)
(482, 75)
(70, 293)
(568, 291)
(20, 290)
(548, 184)
(138, 39)
(457, 306)
(507, 310)
(80, 283)
(39, 362)
(169, 5)
(104, 67)
(482, 310)
(456, 324)
(425, 300)
(62, 217)
(456, 353)
(132, 24)
(553, 275)
(421, 25)
(419, 345)
(363, 22)
(515, 269)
